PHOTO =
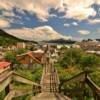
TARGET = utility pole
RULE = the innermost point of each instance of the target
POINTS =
(71, 57)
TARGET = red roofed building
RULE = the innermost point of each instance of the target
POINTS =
(4, 66)
(31, 59)
(34, 56)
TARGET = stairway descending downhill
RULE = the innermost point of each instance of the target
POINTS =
(49, 81)
(50, 85)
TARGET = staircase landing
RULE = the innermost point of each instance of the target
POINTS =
(50, 96)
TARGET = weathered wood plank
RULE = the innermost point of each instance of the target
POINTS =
(4, 70)
(22, 92)
(5, 81)
(10, 95)
(62, 97)
(4, 73)
(17, 93)
(93, 86)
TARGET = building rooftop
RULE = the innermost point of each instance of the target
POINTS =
(4, 64)
(38, 51)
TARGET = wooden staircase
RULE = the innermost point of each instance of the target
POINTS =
(6, 83)
(50, 85)
(50, 81)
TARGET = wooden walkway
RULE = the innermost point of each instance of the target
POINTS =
(50, 80)
(50, 85)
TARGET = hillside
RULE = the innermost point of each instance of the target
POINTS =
(61, 41)
(6, 39)
(41, 33)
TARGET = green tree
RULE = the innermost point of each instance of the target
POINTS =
(89, 61)
(10, 56)
(71, 57)
(20, 51)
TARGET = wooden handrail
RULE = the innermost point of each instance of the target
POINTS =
(83, 77)
(79, 77)
(93, 86)
(17, 93)
(15, 75)
(10, 76)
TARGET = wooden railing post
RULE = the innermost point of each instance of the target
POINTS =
(7, 89)
(34, 90)
(82, 86)
(39, 88)
(94, 88)
(96, 97)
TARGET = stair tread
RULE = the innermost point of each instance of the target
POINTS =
(50, 96)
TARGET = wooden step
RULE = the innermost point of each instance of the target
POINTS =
(50, 96)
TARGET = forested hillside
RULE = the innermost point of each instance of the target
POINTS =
(6, 39)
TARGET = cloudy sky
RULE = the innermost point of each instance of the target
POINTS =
(51, 19)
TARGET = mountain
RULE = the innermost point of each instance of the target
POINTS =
(61, 41)
(7, 39)
(41, 33)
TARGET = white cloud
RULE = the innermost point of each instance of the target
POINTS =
(77, 9)
(84, 32)
(97, 2)
(75, 23)
(61, 9)
(66, 25)
(39, 7)
(37, 34)
(53, 15)
(6, 5)
(94, 21)
(4, 23)
(8, 13)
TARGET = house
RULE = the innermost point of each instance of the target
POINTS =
(76, 46)
(21, 45)
(4, 66)
(93, 52)
(90, 45)
(59, 46)
(31, 58)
